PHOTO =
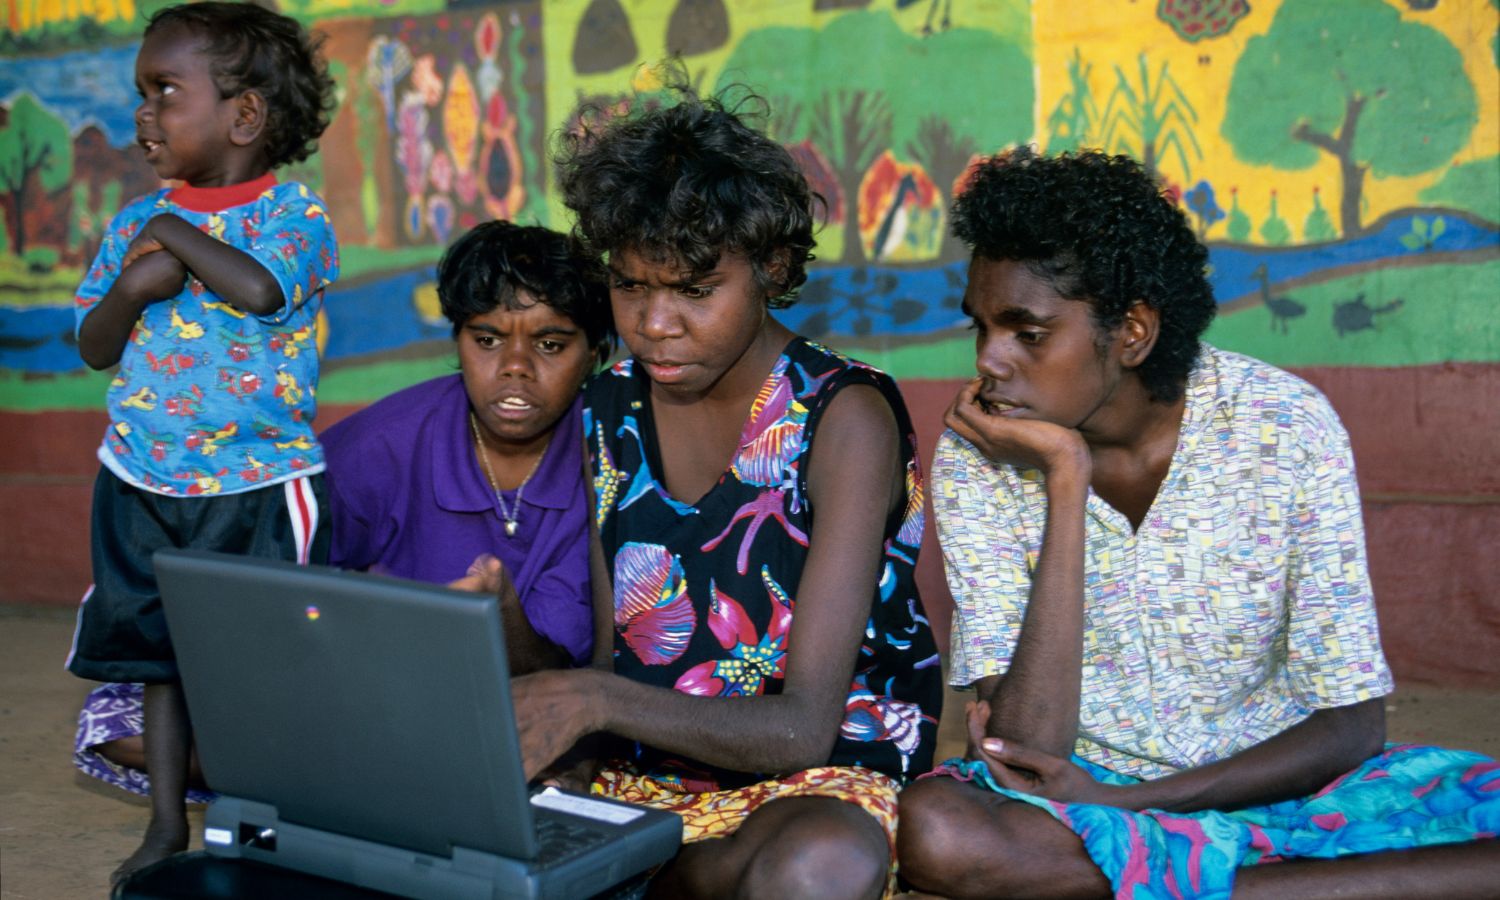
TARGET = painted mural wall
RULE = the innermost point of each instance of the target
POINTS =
(1338, 156)
(1341, 159)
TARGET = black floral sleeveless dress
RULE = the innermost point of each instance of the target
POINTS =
(705, 594)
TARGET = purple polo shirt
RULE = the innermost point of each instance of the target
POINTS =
(407, 498)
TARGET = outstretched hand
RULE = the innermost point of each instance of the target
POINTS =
(1027, 442)
(1020, 768)
(486, 575)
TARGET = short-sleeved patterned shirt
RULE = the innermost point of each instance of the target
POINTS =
(1241, 605)
(210, 399)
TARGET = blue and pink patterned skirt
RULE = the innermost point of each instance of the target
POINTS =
(1408, 796)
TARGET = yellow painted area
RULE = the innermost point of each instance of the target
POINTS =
(461, 117)
(425, 299)
(1111, 34)
(24, 15)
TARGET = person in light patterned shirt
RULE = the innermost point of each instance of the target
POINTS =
(1163, 604)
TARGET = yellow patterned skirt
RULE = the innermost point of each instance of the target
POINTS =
(716, 814)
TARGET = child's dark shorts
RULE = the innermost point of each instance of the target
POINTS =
(122, 631)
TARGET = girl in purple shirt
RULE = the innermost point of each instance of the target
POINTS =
(488, 463)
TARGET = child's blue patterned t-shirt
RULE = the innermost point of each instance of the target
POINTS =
(210, 399)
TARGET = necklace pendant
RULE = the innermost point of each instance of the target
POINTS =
(510, 528)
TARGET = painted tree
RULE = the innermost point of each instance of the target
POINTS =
(943, 154)
(1352, 79)
(1318, 227)
(1072, 123)
(1150, 116)
(852, 128)
(905, 79)
(33, 142)
(1274, 230)
(1239, 221)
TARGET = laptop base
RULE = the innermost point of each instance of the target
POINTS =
(236, 828)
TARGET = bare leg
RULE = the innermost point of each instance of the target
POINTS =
(958, 840)
(131, 753)
(1449, 872)
(168, 737)
(793, 847)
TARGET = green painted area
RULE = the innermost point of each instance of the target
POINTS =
(1447, 314)
(917, 77)
(940, 359)
(311, 11)
(363, 384)
(85, 389)
(1474, 186)
(27, 392)
(355, 260)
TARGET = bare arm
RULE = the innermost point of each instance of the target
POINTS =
(526, 649)
(602, 583)
(233, 274)
(144, 280)
(1036, 701)
(1295, 763)
(856, 448)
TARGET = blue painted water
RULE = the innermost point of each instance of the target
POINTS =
(378, 314)
(90, 86)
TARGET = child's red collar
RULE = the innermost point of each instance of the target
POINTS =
(214, 199)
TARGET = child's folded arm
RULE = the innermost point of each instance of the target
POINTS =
(106, 328)
(236, 276)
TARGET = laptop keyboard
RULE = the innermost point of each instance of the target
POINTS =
(562, 840)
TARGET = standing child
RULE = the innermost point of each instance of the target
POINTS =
(759, 505)
(207, 296)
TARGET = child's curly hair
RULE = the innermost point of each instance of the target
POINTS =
(1096, 228)
(253, 48)
(492, 263)
(688, 182)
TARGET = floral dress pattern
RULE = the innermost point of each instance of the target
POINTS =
(705, 593)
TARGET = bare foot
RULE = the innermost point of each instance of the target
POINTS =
(162, 839)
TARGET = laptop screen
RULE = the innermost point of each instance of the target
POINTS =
(358, 704)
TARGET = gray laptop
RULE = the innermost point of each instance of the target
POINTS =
(360, 728)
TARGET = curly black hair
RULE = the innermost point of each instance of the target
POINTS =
(494, 261)
(253, 48)
(1096, 228)
(686, 183)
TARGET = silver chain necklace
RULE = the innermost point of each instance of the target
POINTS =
(509, 515)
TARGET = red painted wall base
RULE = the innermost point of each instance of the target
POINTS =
(1426, 441)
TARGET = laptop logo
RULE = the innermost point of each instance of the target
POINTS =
(312, 613)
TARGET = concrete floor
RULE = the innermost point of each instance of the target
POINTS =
(61, 833)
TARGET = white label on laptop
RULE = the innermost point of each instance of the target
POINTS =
(614, 814)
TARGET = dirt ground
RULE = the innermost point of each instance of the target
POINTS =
(62, 833)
